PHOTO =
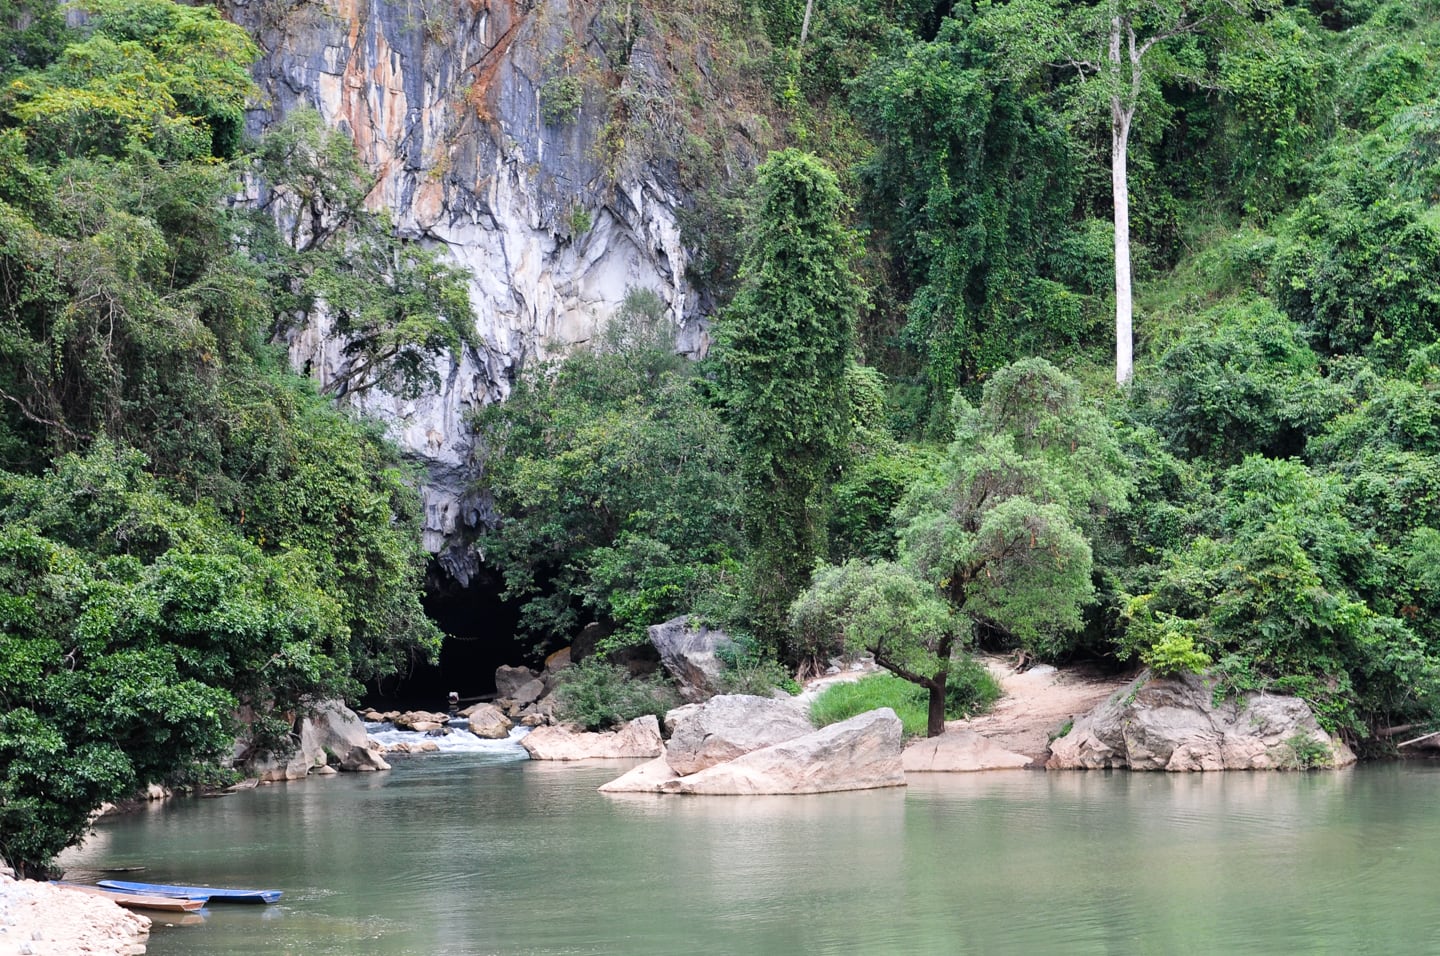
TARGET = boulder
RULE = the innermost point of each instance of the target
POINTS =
(334, 729)
(639, 738)
(725, 727)
(674, 716)
(861, 753)
(1174, 724)
(509, 679)
(558, 661)
(960, 751)
(420, 721)
(688, 655)
(363, 758)
(488, 721)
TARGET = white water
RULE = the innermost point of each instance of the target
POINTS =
(458, 741)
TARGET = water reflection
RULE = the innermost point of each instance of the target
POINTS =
(466, 855)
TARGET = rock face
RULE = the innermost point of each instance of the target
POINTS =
(688, 655)
(1173, 724)
(728, 726)
(960, 751)
(639, 738)
(861, 753)
(509, 679)
(491, 133)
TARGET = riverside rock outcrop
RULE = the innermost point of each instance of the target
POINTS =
(639, 738)
(729, 726)
(40, 919)
(331, 736)
(861, 753)
(492, 132)
(1174, 724)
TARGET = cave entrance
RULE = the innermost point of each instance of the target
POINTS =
(480, 635)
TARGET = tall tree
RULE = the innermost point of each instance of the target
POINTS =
(784, 346)
(1119, 51)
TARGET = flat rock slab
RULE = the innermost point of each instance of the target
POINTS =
(639, 738)
(960, 751)
(649, 777)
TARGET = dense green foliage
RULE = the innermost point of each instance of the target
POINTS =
(186, 526)
(972, 691)
(617, 486)
(1262, 504)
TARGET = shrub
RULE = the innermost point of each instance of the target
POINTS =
(751, 669)
(597, 695)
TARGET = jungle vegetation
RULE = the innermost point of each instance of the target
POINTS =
(907, 439)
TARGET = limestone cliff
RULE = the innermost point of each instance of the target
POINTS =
(506, 132)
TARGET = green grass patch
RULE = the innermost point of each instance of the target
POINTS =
(972, 690)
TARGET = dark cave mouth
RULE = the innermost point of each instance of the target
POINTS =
(480, 635)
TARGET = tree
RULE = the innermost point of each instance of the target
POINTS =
(393, 304)
(998, 536)
(1119, 51)
(1003, 529)
(882, 609)
(784, 346)
(131, 626)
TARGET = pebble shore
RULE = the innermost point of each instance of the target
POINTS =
(37, 919)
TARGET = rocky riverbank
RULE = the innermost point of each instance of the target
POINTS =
(38, 919)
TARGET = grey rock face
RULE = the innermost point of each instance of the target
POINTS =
(453, 108)
(688, 656)
(1173, 724)
(725, 727)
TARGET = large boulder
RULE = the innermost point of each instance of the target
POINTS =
(639, 738)
(688, 655)
(1174, 724)
(725, 727)
(510, 679)
(334, 729)
(960, 751)
(861, 753)
(489, 721)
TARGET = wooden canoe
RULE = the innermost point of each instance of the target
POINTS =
(211, 893)
(137, 901)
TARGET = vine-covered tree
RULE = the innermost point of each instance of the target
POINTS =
(784, 346)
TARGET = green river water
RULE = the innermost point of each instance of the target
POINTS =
(473, 854)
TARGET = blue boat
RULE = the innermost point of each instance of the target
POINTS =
(211, 893)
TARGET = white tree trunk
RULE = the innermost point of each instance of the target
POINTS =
(805, 27)
(1122, 111)
(1124, 310)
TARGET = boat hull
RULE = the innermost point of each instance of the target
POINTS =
(138, 901)
(213, 894)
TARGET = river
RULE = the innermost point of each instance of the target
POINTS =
(481, 853)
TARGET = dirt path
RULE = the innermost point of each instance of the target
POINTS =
(1037, 703)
